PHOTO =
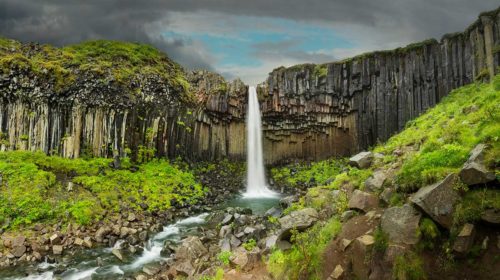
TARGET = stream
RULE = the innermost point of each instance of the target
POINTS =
(84, 265)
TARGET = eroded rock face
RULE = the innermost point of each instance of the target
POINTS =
(438, 200)
(401, 224)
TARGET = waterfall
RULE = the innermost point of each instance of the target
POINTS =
(256, 178)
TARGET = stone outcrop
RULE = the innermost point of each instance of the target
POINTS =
(401, 224)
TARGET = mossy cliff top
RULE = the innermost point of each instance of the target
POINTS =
(122, 65)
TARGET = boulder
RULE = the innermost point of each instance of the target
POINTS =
(225, 230)
(273, 212)
(474, 172)
(363, 201)
(55, 239)
(438, 200)
(491, 216)
(151, 269)
(18, 250)
(465, 239)
(184, 268)
(386, 195)
(347, 215)
(376, 181)
(87, 242)
(131, 217)
(401, 224)
(361, 160)
(245, 260)
(190, 249)
(228, 218)
(117, 253)
(299, 220)
(78, 241)
(361, 248)
(57, 249)
(288, 200)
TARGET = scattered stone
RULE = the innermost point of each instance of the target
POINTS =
(361, 160)
(438, 200)
(273, 212)
(225, 230)
(69, 187)
(376, 181)
(484, 244)
(386, 195)
(184, 268)
(235, 242)
(78, 241)
(101, 233)
(363, 201)
(465, 239)
(87, 242)
(18, 250)
(57, 249)
(141, 277)
(393, 251)
(117, 253)
(228, 218)
(337, 273)
(131, 217)
(246, 260)
(345, 243)
(55, 239)
(491, 216)
(143, 235)
(401, 224)
(474, 172)
(37, 256)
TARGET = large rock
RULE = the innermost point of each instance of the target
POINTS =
(101, 233)
(438, 200)
(246, 260)
(299, 220)
(361, 160)
(117, 253)
(465, 239)
(57, 249)
(363, 201)
(491, 216)
(401, 224)
(361, 249)
(190, 249)
(474, 172)
(376, 181)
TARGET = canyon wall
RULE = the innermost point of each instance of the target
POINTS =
(317, 111)
(309, 111)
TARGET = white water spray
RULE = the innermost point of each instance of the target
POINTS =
(256, 178)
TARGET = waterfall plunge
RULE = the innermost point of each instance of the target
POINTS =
(256, 178)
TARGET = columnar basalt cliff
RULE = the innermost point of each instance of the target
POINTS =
(316, 111)
(108, 98)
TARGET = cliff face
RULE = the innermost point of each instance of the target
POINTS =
(109, 98)
(316, 111)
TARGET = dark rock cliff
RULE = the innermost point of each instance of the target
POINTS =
(64, 101)
(316, 111)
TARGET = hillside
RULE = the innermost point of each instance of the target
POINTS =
(431, 147)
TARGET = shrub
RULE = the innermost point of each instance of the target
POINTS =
(224, 257)
(250, 244)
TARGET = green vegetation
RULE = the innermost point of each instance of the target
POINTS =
(121, 62)
(381, 240)
(33, 188)
(408, 267)
(316, 173)
(442, 137)
(250, 244)
(429, 231)
(320, 70)
(305, 256)
(224, 257)
(473, 203)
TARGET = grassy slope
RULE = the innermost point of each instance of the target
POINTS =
(33, 188)
(122, 62)
(433, 145)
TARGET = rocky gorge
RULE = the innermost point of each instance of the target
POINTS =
(391, 167)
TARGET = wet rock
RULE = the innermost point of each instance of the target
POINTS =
(438, 200)
(465, 239)
(225, 230)
(491, 216)
(401, 224)
(288, 201)
(57, 249)
(361, 160)
(363, 201)
(117, 253)
(376, 181)
(151, 269)
(299, 220)
(143, 236)
(87, 242)
(273, 212)
(18, 250)
(474, 172)
(78, 241)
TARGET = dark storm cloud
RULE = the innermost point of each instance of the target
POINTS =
(64, 21)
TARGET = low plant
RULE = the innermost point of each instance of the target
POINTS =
(224, 257)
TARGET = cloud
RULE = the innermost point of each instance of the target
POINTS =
(368, 25)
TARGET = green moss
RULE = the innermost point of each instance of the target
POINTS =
(30, 192)
(320, 70)
(315, 173)
(381, 240)
(428, 231)
(250, 244)
(224, 257)
(473, 203)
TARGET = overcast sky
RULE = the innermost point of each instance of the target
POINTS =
(245, 39)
